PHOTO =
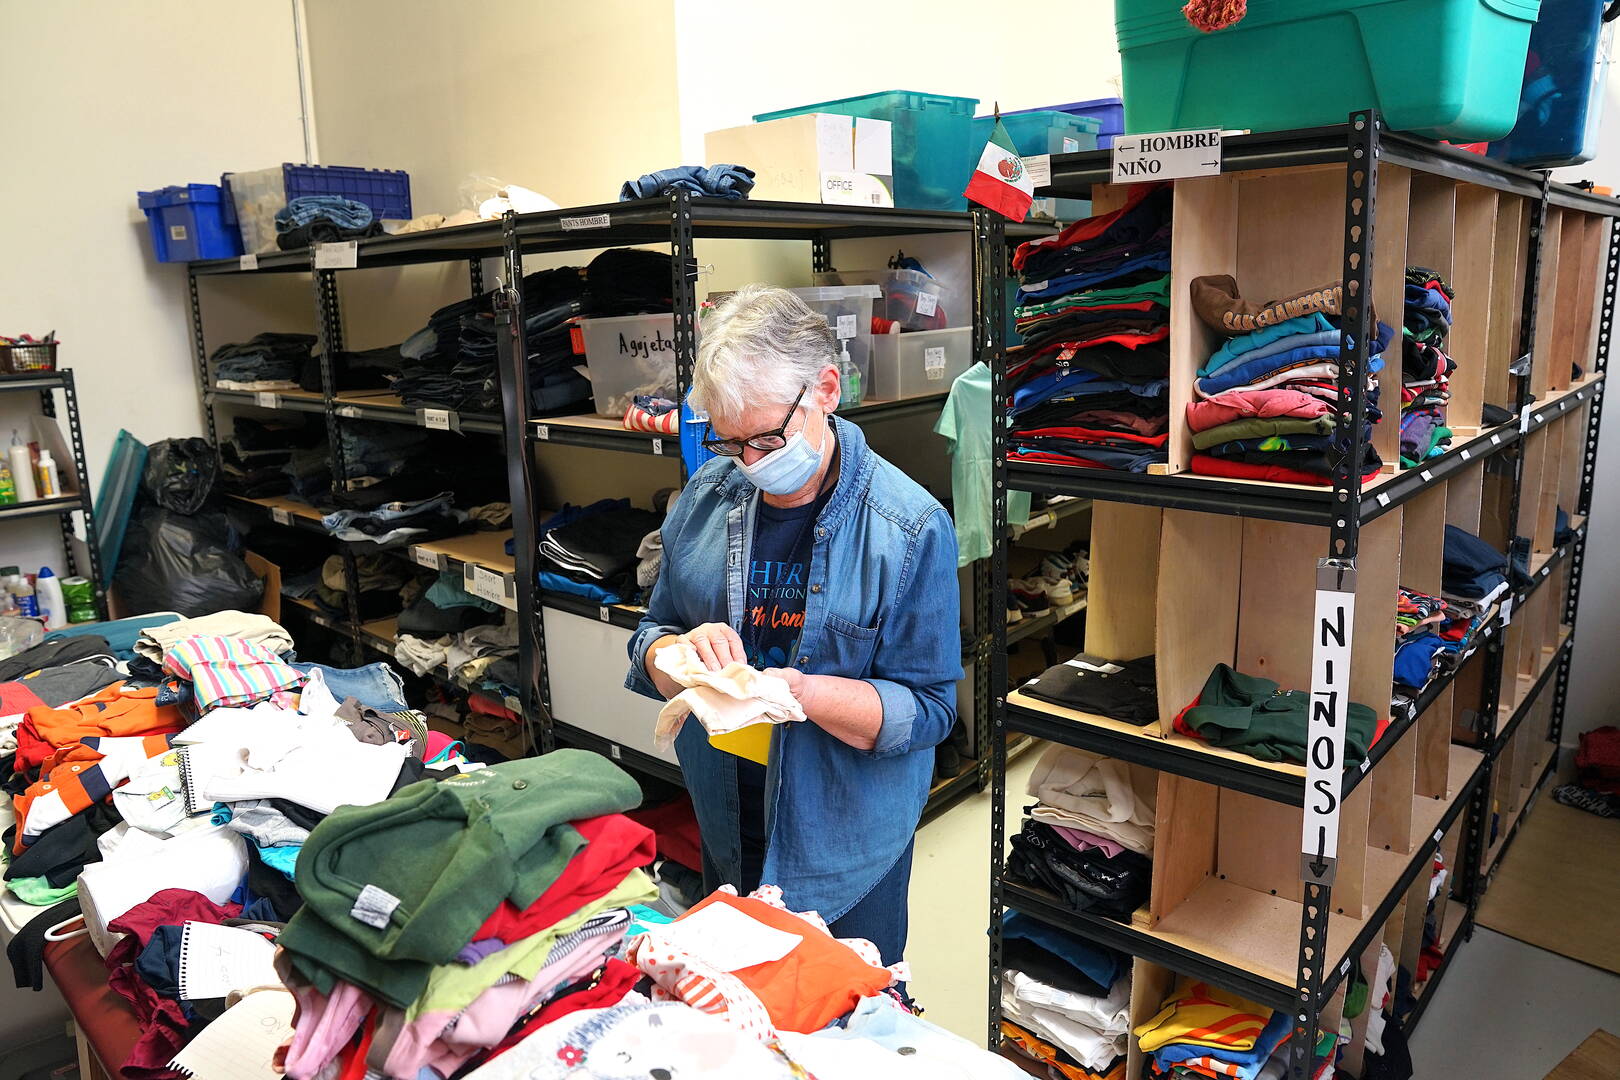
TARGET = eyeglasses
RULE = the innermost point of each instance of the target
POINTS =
(774, 439)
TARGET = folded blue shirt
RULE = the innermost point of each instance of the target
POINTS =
(1314, 323)
(1281, 345)
(1414, 660)
(1078, 382)
(1248, 372)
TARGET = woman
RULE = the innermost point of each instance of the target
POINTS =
(802, 553)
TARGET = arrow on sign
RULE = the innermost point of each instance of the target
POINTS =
(1318, 865)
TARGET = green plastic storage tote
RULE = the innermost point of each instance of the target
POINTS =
(1445, 69)
(932, 142)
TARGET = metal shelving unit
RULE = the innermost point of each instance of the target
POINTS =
(46, 384)
(1322, 944)
(678, 221)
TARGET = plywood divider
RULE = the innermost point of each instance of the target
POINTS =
(1434, 747)
(1367, 966)
(1431, 239)
(1546, 497)
(1150, 985)
(1547, 320)
(1597, 259)
(1106, 198)
(1200, 561)
(1558, 587)
(1183, 841)
(1417, 905)
(1394, 931)
(1471, 277)
(1467, 695)
(1423, 534)
(1572, 431)
(1571, 323)
(1203, 240)
(1496, 504)
(1121, 595)
(1507, 292)
(1258, 847)
(1464, 492)
(1389, 298)
(1534, 449)
(1389, 825)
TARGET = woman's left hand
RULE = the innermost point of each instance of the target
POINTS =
(795, 679)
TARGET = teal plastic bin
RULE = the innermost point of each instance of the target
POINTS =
(1046, 131)
(934, 153)
(1445, 69)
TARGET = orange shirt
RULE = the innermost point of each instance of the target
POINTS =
(113, 710)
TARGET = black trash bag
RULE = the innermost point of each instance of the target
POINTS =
(180, 474)
(174, 562)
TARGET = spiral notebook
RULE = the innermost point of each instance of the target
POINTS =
(214, 960)
(240, 1044)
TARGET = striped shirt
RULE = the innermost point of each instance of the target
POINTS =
(226, 671)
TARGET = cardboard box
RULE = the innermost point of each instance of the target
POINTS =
(817, 157)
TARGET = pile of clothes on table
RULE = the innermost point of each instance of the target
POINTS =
(1425, 367)
(1204, 1031)
(1065, 1001)
(1430, 636)
(1089, 838)
(608, 552)
(1255, 716)
(1267, 400)
(1089, 385)
(1473, 575)
(269, 361)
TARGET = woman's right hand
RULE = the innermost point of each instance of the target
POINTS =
(716, 644)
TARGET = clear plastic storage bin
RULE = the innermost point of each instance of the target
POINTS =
(848, 311)
(1561, 102)
(910, 297)
(628, 356)
(924, 362)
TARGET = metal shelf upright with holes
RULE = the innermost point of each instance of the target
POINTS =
(1297, 956)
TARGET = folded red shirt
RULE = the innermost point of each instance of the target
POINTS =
(1206, 465)
(1080, 434)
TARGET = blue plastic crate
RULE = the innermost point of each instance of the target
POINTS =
(933, 146)
(186, 222)
(1109, 112)
(1561, 101)
(386, 191)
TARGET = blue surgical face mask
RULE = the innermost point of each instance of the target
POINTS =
(785, 470)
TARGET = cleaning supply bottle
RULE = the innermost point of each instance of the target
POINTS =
(849, 379)
(8, 606)
(22, 468)
(48, 594)
(23, 592)
(50, 477)
(8, 489)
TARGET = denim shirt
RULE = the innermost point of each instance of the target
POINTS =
(882, 607)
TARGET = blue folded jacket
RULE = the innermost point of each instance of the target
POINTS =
(1265, 337)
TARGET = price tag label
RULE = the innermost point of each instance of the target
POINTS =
(658, 447)
(927, 303)
(348, 411)
(248, 262)
(1166, 155)
(846, 327)
(433, 560)
(586, 221)
(1039, 168)
(1438, 833)
(542, 432)
(1333, 629)
(437, 419)
(280, 516)
(340, 255)
(488, 585)
(267, 401)
(1507, 612)
(934, 363)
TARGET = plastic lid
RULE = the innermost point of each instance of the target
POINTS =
(838, 292)
(45, 571)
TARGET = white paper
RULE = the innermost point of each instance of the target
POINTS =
(280, 516)
(725, 938)
(933, 360)
(241, 1044)
(846, 327)
(248, 262)
(1166, 155)
(436, 419)
(266, 400)
(339, 255)
(214, 960)
(927, 303)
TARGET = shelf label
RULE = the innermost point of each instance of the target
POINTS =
(267, 400)
(339, 255)
(846, 327)
(927, 303)
(1426, 475)
(1383, 500)
(437, 419)
(658, 447)
(348, 411)
(604, 613)
(1496, 440)
(1465, 453)
(433, 560)
(1166, 155)
(488, 585)
(614, 752)
(1334, 625)
(280, 516)
(1039, 169)
(1507, 612)
(542, 432)
(248, 262)
(1438, 833)
(934, 363)
(586, 221)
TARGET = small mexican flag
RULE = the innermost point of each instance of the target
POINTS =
(1001, 183)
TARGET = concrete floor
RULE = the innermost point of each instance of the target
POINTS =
(1506, 1010)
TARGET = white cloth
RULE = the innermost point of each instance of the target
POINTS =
(1090, 1048)
(723, 701)
(153, 800)
(421, 655)
(1377, 996)
(212, 862)
(1107, 1016)
(259, 629)
(1097, 794)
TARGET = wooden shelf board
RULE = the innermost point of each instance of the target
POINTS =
(285, 503)
(486, 549)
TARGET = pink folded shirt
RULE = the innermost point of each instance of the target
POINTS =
(1085, 841)
(1273, 403)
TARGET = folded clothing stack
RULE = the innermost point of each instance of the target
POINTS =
(1267, 399)
(268, 361)
(254, 460)
(592, 551)
(1203, 1031)
(1473, 574)
(1257, 717)
(375, 449)
(1122, 689)
(1519, 554)
(1089, 837)
(323, 219)
(1430, 635)
(1425, 367)
(398, 524)
(384, 581)
(1089, 384)
(1065, 1001)
(371, 369)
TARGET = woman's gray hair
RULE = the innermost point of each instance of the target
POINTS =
(760, 346)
